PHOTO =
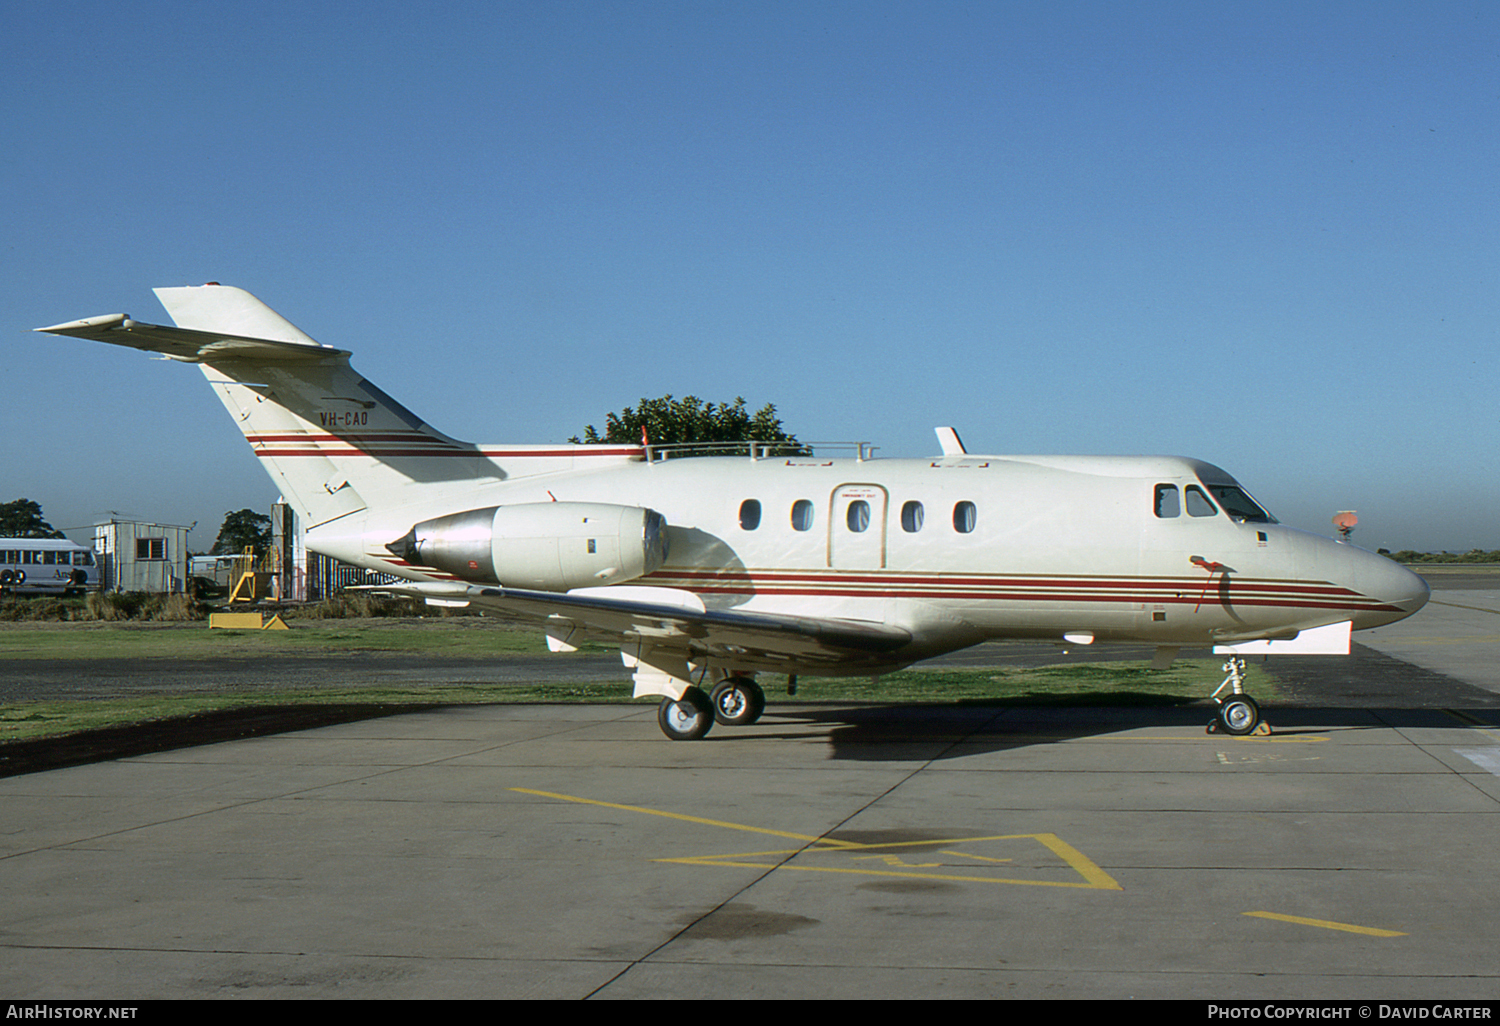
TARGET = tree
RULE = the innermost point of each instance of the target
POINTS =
(23, 519)
(242, 529)
(669, 421)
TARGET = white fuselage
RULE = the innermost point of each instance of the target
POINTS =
(994, 547)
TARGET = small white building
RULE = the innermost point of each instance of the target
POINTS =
(139, 556)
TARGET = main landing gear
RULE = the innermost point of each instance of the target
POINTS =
(1238, 713)
(734, 701)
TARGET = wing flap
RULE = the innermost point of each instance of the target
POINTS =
(750, 638)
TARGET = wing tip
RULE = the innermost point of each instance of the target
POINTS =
(87, 324)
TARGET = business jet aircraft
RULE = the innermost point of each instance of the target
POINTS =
(706, 571)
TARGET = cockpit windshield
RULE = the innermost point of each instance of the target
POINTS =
(1234, 501)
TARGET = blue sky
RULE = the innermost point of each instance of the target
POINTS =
(1263, 234)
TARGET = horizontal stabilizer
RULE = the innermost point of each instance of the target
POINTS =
(188, 344)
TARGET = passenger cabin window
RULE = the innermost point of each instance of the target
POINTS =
(965, 516)
(858, 516)
(911, 517)
(802, 515)
(1198, 504)
(1167, 503)
(749, 514)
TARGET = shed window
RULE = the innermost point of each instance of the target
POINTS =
(150, 548)
(749, 514)
(964, 517)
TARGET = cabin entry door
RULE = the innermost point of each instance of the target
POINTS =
(856, 527)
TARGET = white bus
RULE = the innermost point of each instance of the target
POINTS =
(40, 565)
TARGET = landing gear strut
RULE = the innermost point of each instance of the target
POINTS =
(1238, 713)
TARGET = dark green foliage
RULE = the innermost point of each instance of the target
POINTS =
(1472, 556)
(23, 519)
(245, 528)
(669, 421)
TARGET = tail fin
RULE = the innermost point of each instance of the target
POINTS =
(320, 429)
(331, 441)
(215, 308)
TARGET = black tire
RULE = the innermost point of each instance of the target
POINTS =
(738, 701)
(687, 718)
(1238, 715)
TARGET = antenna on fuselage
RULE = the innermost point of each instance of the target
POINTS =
(951, 444)
(1345, 520)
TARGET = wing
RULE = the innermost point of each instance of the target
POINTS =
(649, 623)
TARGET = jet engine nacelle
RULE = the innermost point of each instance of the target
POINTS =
(549, 546)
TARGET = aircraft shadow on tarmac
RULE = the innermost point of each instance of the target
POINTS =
(897, 732)
(903, 732)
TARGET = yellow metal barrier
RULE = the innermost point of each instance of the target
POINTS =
(246, 622)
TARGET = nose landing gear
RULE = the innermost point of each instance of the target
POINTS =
(1238, 713)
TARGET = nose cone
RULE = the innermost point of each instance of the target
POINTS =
(1396, 591)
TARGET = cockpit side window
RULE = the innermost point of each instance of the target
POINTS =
(1198, 504)
(1240, 506)
(1167, 503)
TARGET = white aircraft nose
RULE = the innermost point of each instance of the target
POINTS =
(1399, 592)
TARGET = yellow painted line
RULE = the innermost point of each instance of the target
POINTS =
(684, 818)
(1327, 924)
(966, 855)
(1093, 877)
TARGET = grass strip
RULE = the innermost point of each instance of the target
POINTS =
(197, 641)
(1078, 684)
